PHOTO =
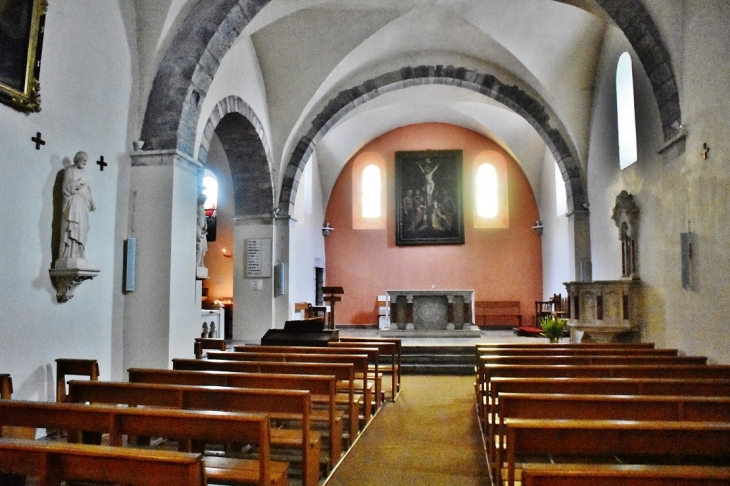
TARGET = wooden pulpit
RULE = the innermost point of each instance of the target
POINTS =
(332, 295)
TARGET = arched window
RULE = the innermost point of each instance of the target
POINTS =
(627, 150)
(370, 192)
(487, 196)
(491, 204)
(210, 189)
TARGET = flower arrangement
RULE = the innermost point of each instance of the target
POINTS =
(552, 328)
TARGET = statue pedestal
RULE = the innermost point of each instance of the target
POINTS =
(603, 310)
(69, 273)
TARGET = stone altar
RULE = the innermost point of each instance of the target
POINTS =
(431, 313)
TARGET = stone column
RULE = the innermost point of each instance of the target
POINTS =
(580, 243)
(161, 316)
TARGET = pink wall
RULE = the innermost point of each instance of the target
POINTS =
(499, 264)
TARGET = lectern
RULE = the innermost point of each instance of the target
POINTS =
(332, 295)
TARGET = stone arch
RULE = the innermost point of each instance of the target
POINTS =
(642, 33)
(188, 66)
(249, 156)
(488, 85)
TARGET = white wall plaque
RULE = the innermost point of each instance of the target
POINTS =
(258, 258)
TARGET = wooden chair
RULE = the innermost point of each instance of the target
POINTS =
(6, 386)
(80, 367)
(543, 308)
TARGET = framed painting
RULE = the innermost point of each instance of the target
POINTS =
(21, 42)
(428, 195)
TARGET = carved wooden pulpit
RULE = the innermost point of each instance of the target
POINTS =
(332, 295)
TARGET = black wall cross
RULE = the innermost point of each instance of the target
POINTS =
(101, 163)
(38, 140)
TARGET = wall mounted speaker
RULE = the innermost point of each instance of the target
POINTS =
(685, 242)
(130, 253)
(279, 279)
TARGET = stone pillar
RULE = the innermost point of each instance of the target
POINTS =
(580, 243)
(162, 316)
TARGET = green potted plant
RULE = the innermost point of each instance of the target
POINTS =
(552, 328)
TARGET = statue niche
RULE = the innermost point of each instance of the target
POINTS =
(625, 216)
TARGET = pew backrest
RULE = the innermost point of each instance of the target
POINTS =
(53, 462)
(623, 475)
(695, 440)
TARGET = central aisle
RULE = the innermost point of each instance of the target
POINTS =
(429, 436)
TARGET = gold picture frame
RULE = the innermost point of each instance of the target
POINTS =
(21, 42)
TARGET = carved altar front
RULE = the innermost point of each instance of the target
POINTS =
(431, 313)
(604, 310)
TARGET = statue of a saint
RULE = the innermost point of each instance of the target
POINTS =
(201, 246)
(77, 203)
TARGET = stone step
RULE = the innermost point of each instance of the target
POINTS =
(437, 360)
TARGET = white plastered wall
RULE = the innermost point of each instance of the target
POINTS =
(87, 83)
(684, 194)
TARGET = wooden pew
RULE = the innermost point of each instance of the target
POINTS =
(280, 405)
(660, 369)
(623, 475)
(53, 462)
(72, 366)
(343, 372)
(631, 440)
(363, 377)
(607, 407)
(359, 361)
(182, 425)
(618, 359)
(389, 349)
(320, 386)
(208, 343)
(394, 366)
(605, 386)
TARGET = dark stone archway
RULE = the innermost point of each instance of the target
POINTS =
(189, 65)
(249, 156)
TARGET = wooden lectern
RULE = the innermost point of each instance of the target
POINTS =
(332, 295)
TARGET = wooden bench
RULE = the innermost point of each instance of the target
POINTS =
(363, 377)
(605, 386)
(208, 343)
(606, 407)
(72, 366)
(53, 462)
(623, 475)
(322, 388)
(484, 362)
(342, 371)
(388, 352)
(497, 313)
(596, 371)
(181, 425)
(280, 405)
(632, 441)
(280, 354)
(394, 365)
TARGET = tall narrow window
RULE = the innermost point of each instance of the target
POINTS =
(370, 196)
(210, 189)
(487, 196)
(368, 192)
(627, 150)
(491, 202)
